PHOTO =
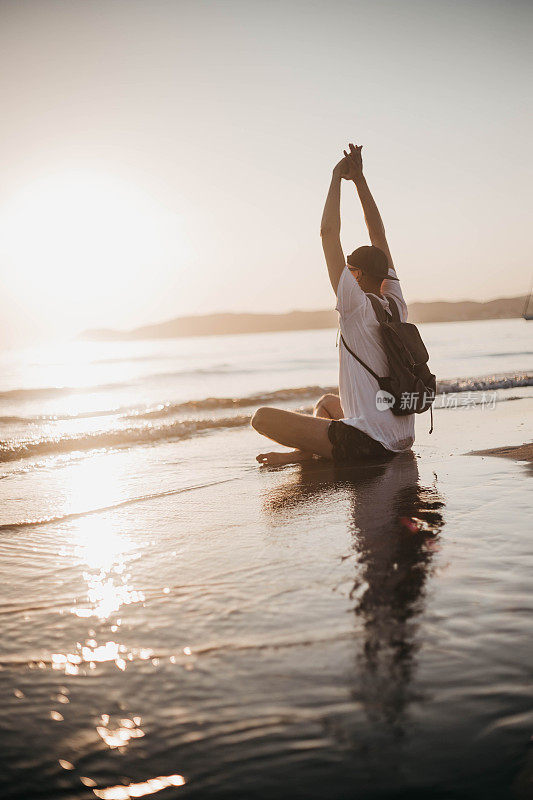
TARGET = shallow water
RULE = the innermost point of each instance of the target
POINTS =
(190, 618)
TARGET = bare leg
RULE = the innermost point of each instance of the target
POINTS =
(284, 425)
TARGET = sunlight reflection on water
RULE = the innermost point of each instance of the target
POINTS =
(95, 483)
(100, 544)
(119, 735)
(149, 786)
(91, 654)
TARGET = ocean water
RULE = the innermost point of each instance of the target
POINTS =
(176, 621)
(84, 396)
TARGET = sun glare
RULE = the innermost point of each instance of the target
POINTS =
(82, 243)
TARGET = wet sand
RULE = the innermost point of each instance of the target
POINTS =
(275, 632)
(522, 452)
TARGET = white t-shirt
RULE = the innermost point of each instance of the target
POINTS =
(357, 387)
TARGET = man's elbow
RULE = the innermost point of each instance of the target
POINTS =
(328, 231)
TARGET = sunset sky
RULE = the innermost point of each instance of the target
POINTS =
(162, 158)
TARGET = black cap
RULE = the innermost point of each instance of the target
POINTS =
(372, 260)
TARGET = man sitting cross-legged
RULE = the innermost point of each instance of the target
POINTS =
(351, 427)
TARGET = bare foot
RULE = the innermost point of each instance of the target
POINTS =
(279, 459)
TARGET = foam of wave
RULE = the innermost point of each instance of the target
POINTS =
(485, 383)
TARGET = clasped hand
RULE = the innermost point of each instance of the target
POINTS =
(351, 166)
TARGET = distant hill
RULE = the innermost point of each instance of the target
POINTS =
(212, 324)
(502, 308)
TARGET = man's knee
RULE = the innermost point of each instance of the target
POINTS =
(261, 419)
(322, 404)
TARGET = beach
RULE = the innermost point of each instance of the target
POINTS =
(177, 621)
(198, 223)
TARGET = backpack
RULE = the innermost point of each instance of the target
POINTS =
(410, 387)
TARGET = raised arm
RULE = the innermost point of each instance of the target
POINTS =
(373, 220)
(330, 227)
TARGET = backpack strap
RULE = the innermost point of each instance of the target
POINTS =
(382, 316)
(368, 369)
(395, 311)
(379, 311)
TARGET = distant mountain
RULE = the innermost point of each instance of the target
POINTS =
(212, 324)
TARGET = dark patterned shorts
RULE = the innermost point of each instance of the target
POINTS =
(352, 445)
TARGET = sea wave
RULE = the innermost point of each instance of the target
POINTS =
(483, 383)
(169, 409)
(102, 412)
(143, 498)
(161, 410)
(50, 392)
(162, 423)
(121, 437)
